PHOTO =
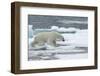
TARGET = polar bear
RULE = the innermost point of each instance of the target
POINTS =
(49, 38)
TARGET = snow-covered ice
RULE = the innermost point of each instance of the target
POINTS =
(74, 47)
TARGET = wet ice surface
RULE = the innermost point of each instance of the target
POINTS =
(74, 47)
(75, 53)
(59, 53)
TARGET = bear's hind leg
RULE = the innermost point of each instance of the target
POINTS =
(41, 43)
(33, 43)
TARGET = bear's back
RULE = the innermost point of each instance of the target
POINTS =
(46, 35)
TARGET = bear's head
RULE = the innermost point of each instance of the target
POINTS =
(60, 37)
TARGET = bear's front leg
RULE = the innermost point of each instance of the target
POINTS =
(52, 43)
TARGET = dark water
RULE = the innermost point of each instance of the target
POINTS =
(43, 21)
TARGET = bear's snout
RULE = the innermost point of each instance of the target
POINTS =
(63, 39)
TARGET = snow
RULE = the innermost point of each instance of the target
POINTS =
(80, 38)
(30, 31)
(63, 29)
(54, 27)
